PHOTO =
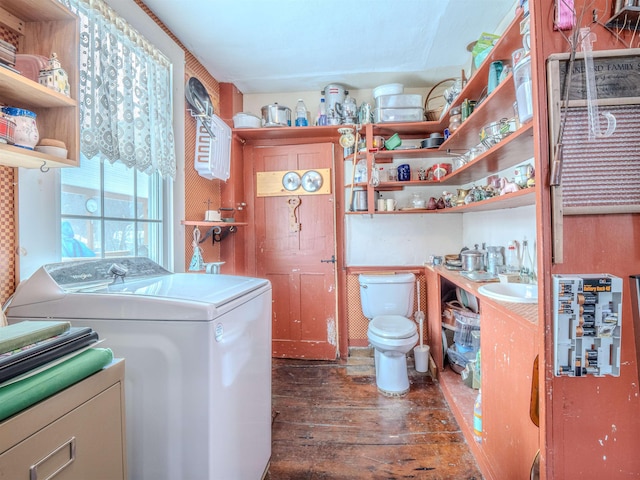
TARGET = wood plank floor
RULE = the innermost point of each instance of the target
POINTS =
(330, 422)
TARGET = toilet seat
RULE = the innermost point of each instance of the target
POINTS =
(392, 327)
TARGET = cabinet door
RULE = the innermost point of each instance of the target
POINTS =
(85, 443)
(510, 438)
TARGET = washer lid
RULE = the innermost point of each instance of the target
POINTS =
(392, 326)
(86, 290)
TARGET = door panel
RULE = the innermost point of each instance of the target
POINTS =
(304, 288)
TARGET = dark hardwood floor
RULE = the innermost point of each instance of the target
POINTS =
(330, 422)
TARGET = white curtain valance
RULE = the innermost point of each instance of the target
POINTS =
(125, 92)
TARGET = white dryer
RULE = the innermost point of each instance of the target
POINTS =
(197, 350)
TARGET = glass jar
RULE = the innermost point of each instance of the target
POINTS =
(455, 119)
(26, 131)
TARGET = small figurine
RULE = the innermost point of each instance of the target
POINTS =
(54, 77)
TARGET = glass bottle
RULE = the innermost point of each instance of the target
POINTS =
(527, 272)
(512, 263)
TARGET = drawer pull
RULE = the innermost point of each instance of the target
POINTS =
(71, 443)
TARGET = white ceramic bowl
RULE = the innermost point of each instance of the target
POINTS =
(53, 151)
(388, 89)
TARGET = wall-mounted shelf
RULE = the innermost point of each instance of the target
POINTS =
(517, 199)
(41, 28)
(627, 19)
(202, 223)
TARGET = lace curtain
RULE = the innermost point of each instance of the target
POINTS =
(125, 92)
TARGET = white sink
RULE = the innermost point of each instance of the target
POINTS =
(511, 292)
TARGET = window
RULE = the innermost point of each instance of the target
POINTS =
(113, 205)
(111, 210)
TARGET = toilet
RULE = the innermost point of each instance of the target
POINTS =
(387, 301)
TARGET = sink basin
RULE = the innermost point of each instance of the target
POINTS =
(511, 292)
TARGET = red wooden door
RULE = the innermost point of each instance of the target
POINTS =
(304, 321)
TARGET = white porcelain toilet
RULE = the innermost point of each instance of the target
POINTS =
(387, 301)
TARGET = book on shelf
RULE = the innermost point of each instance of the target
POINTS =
(25, 333)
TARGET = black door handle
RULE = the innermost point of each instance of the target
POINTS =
(331, 260)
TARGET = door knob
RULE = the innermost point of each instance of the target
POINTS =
(330, 260)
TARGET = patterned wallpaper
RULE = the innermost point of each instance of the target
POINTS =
(198, 190)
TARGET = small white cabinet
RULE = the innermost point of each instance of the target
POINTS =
(78, 433)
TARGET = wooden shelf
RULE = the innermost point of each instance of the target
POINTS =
(279, 133)
(521, 198)
(43, 27)
(12, 156)
(511, 151)
(202, 223)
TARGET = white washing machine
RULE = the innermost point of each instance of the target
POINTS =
(197, 350)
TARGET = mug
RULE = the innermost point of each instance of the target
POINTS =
(391, 204)
(404, 172)
(382, 204)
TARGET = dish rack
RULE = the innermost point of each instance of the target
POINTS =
(213, 155)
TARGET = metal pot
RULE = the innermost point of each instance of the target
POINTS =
(472, 260)
(359, 203)
(275, 115)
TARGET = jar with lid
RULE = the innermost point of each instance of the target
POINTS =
(26, 131)
(495, 260)
(455, 118)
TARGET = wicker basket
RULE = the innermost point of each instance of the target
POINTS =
(433, 114)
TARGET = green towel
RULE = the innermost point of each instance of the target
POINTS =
(24, 393)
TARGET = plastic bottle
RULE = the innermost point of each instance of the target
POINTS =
(301, 114)
(527, 272)
(322, 113)
(477, 418)
(512, 263)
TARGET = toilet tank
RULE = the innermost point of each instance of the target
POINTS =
(387, 294)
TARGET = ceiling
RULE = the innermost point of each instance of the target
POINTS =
(266, 46)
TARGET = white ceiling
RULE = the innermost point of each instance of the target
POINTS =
(265, 46)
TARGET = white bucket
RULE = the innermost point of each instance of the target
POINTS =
(421, 358)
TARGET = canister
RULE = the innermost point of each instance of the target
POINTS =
(26, 131)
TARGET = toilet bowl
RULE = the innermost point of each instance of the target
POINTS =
(387, 301)
(392, 337)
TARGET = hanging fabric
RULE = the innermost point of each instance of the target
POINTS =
(197, 262)
(125, 92)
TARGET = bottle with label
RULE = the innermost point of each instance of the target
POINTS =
(322, 113)
(477, 418)
(301, 114)
(511, 260)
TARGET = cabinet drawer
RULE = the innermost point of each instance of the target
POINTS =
(84, 443)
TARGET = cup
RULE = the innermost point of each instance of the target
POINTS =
(495, 70)
(404, 172)
(382, 204)
(393, 174)
(212, 216)
(378, 142)
(391, 204)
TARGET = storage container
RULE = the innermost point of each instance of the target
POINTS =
(405, 100)
(466, 322)
(388, 115)
(388, 89)
(246, 120)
